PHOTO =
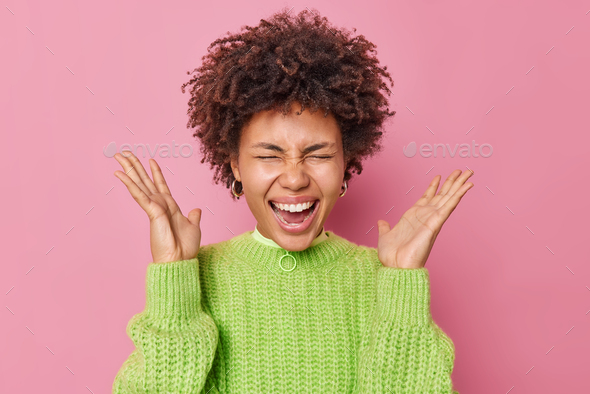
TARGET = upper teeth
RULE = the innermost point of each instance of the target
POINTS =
(293, 207)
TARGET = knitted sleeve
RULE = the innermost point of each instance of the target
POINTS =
(404, 351)
(175, 340)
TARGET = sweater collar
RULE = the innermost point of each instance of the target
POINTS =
(262, 256)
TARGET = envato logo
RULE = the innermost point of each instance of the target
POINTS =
(164, 150)
(465, 150)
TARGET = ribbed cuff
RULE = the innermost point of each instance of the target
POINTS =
(403, 295)
(173, 289)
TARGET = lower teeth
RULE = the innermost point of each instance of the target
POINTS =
(277, 212)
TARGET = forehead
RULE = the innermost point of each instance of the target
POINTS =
(291, 129)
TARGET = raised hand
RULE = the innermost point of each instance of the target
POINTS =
(173, 237)
(408, 244)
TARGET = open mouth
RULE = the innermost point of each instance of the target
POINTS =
(294, 219)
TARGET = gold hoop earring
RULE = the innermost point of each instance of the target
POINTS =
(233, 190)
(345, 189)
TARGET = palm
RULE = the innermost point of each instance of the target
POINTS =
(172, 236)
(409, 242)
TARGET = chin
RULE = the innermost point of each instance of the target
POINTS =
(295, 247)
(295, 242)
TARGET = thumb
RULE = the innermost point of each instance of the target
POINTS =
(194, 216)
(383, 227)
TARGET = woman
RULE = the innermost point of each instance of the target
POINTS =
(287, 307)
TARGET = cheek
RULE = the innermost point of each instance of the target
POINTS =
(259, 179)
(262, 174)
(329, 177)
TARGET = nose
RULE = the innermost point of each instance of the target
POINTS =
(294, 176)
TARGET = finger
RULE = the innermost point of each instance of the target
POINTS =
(449, 182)
(131, 171)
(194, 216)
(173, 208)
(159, 180)
(457, 184)
(147, 181)
(138, 195)
(429, 193)
(383, 227)
(450, 205)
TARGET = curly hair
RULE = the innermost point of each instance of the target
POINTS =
(283, 60)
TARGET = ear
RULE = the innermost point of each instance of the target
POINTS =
(235, 169)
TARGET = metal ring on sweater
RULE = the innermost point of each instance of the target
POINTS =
(281, 262)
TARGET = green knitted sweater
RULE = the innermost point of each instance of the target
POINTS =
(330, 319)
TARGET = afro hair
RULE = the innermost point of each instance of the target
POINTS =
(287, 59)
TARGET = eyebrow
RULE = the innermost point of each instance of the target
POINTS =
(311, 148)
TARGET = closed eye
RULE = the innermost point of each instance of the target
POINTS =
(274, 157)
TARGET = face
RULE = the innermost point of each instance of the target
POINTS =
(293, 159)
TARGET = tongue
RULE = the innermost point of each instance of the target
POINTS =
(295, 217)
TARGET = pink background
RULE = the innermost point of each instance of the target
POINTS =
(509, 271)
